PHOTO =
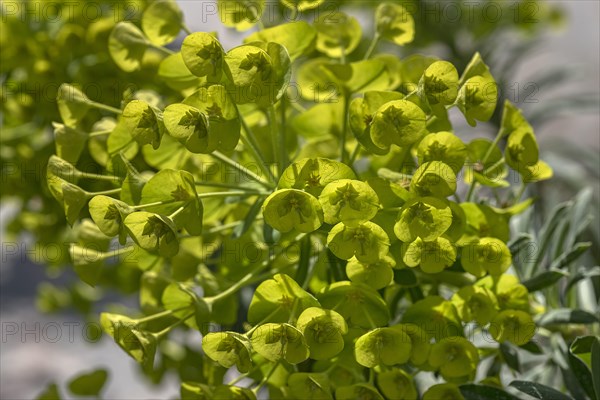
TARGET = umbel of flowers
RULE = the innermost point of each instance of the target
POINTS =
(326, 182)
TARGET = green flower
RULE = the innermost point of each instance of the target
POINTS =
(475, 303)
(323, 331)
(420, 345)
(455, 358)
(437, 317)
(377, 275)
(426, 217)
(433, 178)
(313, 174)
(510, 293)
(228, 349)
(488, 255)
(280, 341)
(513, 326)
(349, 201)
(368, 242)
(397, 384)
(382, 346)
(287, 209)
(433, 257)
(445, 147)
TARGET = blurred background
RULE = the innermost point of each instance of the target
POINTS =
(550, 69)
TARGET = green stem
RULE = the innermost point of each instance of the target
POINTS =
(277, 141)
(233, 193)
(186, 29)
(178, 211)
(89, 175)
(104, 107)
(249, 140)
(471, 191)
(250, 277)
(222, 185)
(159, 315)
(168, 328)
(156, 203)
(488, 153)
(162, 49)
(104, 192)
(266, 378)
(372, 46)
(520, 192)
(100, 133)
(226, 160)
(263, 321)
(354, 154)
(344, 129)
(118, 252)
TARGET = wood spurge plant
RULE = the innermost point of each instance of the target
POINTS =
(309, 208)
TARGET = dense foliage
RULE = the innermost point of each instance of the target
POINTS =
(301, 206)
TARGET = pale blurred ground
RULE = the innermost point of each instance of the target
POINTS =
(27, 366)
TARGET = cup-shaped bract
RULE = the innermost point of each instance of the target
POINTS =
(288, 209)
(259, 72)
(153, 232)
(358, 391)
(276, 299)
(445, 147)
(298, 37)
(228, 349)
(349, 201)
(221, 113)
(72, 197)
(510, 293)
(139, 344)
(420, 342)
(478, 92)
(313, 174)
(109, 214)
(361, 114)
(521, 149)
(72, 104)
(189, 126)
(203, 55)
(141, 121)
(69, 142)
(475, 303)
(171, 189)
(426, 218)
(127, 46)
(398, 122)
(280, 342)
(378, 274)
(161, 21)
(514, 326)
(487, 255)
(309, 385)
(337, 34)
(323, 331)
(357, 303)
(382, 346)
(433, 256)
(434, 178)
(439, 83)
(394, 23)
(397, 384)
(368, 242)
(436, 316)
(455, 357)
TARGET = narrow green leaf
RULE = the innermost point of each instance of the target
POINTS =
(539, 391)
